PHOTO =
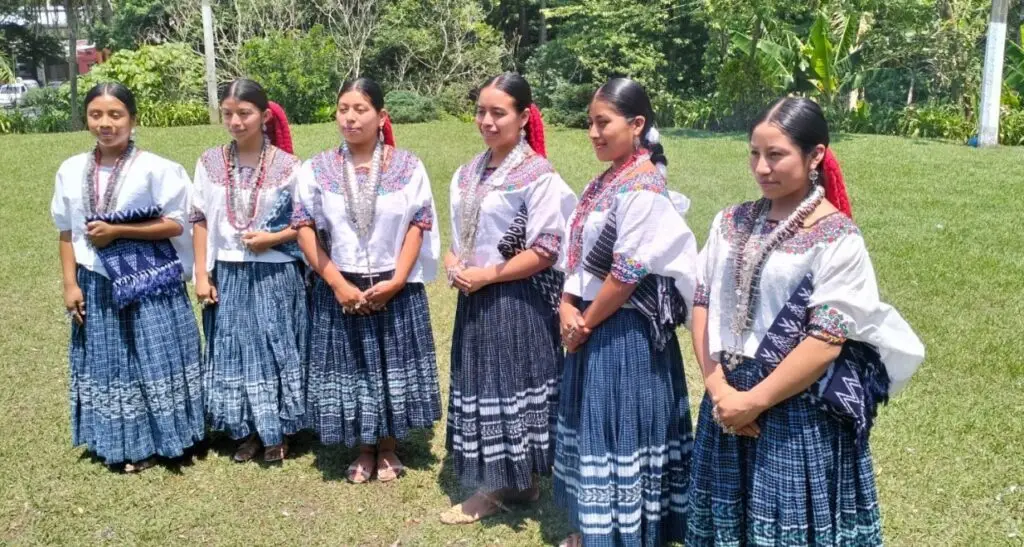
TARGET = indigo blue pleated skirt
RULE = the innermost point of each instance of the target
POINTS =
(804, 481)
(136, 381)
(505, 363)
(257, 350)
(622, 464)
(371, 376)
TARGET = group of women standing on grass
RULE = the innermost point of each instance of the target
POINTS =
(565, 358)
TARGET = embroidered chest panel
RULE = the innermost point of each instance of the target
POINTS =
(823, 233)
(531, 168)
(280, 167)
(397, 167)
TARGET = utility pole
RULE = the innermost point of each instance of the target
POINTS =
(992, 76)
(211, 64)
(71, 17)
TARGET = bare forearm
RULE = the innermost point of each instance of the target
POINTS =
(318, 258)
(612, 295)
(798, 371)
(151, 230)
(284, 236)
(521, 266)
(409, 253)
(68, 266)
(199, 249)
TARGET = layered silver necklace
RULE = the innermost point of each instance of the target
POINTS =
(93, 203)
(473, 196)
(749, 253)
(361, 202)
(243, 203)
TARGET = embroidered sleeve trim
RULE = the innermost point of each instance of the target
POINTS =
(829, 325)
(702, 296)
(301, 217)
(548, 246)
(424, 218)
(627, 269)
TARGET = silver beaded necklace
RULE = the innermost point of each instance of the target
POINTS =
(362, 201)
(749, 254)
(473, 196)
(93, 204)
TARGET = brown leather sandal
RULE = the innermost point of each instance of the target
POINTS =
(276, 453)
(248, 449)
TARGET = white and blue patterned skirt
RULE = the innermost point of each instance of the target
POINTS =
(136, 381)
(371, 376)
(804, 481)
(257, 350)
(622, 464)
(506, 357)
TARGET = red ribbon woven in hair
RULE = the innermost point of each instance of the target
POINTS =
(835, 187)
(535, 131)
(277, 128)
(387, 131)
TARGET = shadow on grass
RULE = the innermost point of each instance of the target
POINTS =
(551, 520)
(333, 461)
(197, 452)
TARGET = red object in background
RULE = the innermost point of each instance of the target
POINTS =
(87, 55)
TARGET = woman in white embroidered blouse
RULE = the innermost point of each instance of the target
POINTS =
(624, 432)
(365, 215)
(797, 351)
(509, 209)
(250, 276)
(125, 254)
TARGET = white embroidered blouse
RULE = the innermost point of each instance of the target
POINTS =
(210, 202)
(651, 235)
(147, 181)
(404, 197)
(844, 303)
(533, 186)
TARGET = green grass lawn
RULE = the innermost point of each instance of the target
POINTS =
(943, 223)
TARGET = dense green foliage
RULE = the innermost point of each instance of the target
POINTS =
(907, 67)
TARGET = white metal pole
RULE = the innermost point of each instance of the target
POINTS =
(992, 76)
(211, 64)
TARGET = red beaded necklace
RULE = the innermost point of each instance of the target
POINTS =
(241, 216)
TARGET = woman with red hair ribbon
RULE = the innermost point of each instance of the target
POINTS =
(250, 276)
(509, 210)
(365, 215)
(797, 351)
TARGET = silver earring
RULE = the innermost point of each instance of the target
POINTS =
(636, 143)
(814, 176)
(134, 133)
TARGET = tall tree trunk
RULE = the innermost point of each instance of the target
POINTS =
(543, 38)
(71, 15)
(524, 25)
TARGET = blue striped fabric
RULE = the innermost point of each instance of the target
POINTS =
(804, 481)
(622, 463)
(257, 350)
(505, 360)
(136, 386)
(374, 376)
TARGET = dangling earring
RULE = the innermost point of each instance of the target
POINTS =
(636, 143)
(814, 176)
(264, 127)
(522, 133)
(134, 133)
(380, 133)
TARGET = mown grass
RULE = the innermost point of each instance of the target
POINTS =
(943, 224)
